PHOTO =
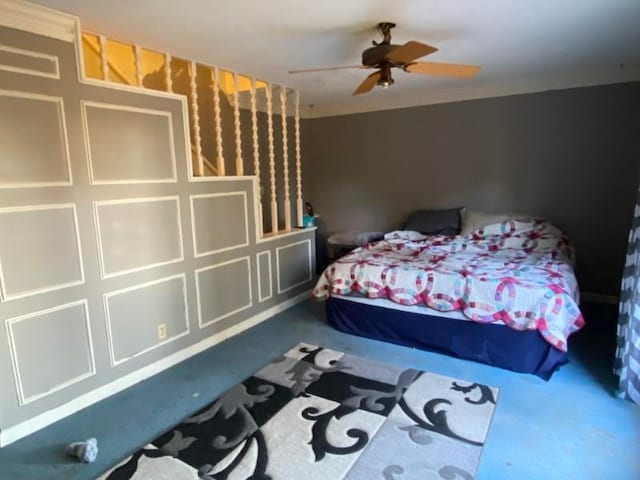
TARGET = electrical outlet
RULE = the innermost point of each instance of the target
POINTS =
(162, 331)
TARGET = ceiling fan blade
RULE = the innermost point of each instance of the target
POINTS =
(322, 69)
(368, 83)
(409, 52)
(445, 69)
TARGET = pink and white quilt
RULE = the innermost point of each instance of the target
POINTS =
(517, 272)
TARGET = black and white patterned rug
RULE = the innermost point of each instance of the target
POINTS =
(315, 413)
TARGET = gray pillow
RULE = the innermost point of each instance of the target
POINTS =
(435, 222)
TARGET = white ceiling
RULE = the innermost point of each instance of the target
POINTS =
(522, 45)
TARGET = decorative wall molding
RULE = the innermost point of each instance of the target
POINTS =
(270, 237)
(37, 19)
(125, 108)
(55, 74)
(212, 178)
(16, 432)
(22, 399)
(197, 253)
(264, 298)
(105, 300)
(308, 279)
(204, 323)
(63, 135)
(96, 220)
(4, 295)
(8, 432)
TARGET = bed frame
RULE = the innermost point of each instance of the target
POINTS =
(497, 345)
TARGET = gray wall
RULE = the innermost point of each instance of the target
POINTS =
(572, 156)
(105, 243)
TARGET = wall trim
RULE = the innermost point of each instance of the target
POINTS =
(260, 297)
(62, 126)
(22, 399)
(193, 197)
(284, 234)
(28, 71)
(214, 178)
(96, 221)
(21, 430)
(37, 19)
(105, 301)
(291, 287)
(125, 108)
(4, 296)
(205, 323)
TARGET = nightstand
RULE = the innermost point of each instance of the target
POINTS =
(341, 243)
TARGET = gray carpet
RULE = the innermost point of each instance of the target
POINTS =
(316, 413)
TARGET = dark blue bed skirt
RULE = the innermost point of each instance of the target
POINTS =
(525, 352)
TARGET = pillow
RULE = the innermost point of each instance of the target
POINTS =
(434, 222)
(473, 220)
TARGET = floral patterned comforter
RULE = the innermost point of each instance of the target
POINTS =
(517, 272)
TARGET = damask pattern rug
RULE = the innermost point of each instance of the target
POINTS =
(319, 414)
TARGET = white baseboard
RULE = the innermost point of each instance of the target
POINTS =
(588, 297)
(42, 420)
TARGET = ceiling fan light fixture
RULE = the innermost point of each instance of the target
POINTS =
(385, 83)
(386, 80)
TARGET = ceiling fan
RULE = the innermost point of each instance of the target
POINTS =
(384, 56)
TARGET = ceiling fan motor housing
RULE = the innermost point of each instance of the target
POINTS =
(374, 56)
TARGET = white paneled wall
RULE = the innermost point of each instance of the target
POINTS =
(123, 247)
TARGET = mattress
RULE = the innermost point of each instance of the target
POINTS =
(519, 274)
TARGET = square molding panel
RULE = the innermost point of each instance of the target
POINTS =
(159, 305)
(294, 265)
(128, 145)
(222, 290)
(50, 350)
(34, 149)
(220, 222)
(28, 62)
(137, 234)
(39, 250)
(265, 288)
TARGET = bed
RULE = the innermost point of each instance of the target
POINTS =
(504, 294)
